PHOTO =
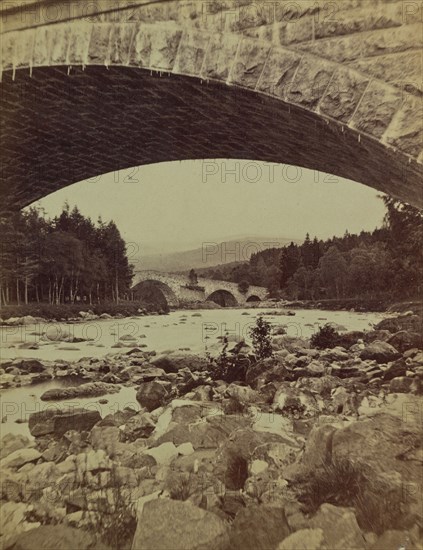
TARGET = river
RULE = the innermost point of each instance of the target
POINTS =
(188, 330)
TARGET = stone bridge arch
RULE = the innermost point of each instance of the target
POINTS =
(85, 93)
(156, 292)
(223, 298)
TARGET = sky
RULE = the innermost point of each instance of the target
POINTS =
(179, 205)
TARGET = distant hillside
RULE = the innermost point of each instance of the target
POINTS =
(211, 254)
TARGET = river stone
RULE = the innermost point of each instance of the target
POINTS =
(20, 457)
(152, 395)
(340, 527)
(92, 389)
(11, 442)
(259, 526)
(177, 525)
(173, 362)
(304, 539)
(379, 351)
(53, 537)
(412, 323)
(405, 340)
(54, 422)
(401, 384)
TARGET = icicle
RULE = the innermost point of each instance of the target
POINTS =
(69, 69)
(409, 160)
(14, 72)
(359, 138)
(30, 71)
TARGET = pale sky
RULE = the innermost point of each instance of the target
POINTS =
(179, 205)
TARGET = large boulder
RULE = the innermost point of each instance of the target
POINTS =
(56, 422)
(383, 449)
(29, 366)
(152, 395)
(268, 370)
(173, 362)
(20, 457)
(180, 526)
(289, 343)
(141, 425)
(413, 323)
(11, 442)
(405, 340)
(259, 527)
(379, 351)
(339, 526)
(92, 389)
(52, 537)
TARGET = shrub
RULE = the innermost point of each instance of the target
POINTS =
(243, 287)
(325, 337)
(344, 483)
(229, 367)
(261, 336)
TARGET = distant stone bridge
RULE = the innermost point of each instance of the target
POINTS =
(176, 289)
(99, 86)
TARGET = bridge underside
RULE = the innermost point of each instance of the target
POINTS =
(58, 129)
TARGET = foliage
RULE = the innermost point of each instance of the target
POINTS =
(385, 264)
(344, 483)
(243, 286)
(67, 259)
(262, 340)
(228, 366)
(325, 337)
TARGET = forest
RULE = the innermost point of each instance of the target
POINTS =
(384, 263)
(67, 259)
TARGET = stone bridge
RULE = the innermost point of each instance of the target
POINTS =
(176, 289)
(94, 87)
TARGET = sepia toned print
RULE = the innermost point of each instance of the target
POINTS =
(211, 267)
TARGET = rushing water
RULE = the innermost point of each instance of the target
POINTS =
(193, 330)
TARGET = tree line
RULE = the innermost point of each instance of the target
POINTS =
(66, 259)
(387, 262)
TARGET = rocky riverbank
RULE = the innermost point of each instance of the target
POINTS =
(307, 449)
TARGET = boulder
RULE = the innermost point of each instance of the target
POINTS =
(11, 442)
(395, 540)
(383, 448)
(56, 422)
(337, 353)
(339, 526)
(18, 458)
(180, 526)
(304, 539)
(30, 366)
(405, 340)
(52, 537)
(379, 351)
(259, 527)
(289, 343)
(272, 369)
(141, 425)
(295, 402)
(13, 522)
(401, 384)
(164, 453)
(411, 322)
(91, 389)
(173, 362)
(152, 395)
(372, 335)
